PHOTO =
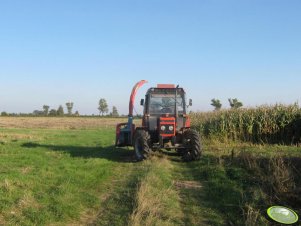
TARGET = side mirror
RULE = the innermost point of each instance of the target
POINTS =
(190, 102)
(142, 102)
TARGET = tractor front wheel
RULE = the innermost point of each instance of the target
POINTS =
(193, 148)
(142, 144)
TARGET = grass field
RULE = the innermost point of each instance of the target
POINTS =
(66, 171)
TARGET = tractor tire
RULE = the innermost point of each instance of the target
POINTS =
(192, 142)
(142, 145)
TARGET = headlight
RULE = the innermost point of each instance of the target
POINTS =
(170, 128)
(163, 128)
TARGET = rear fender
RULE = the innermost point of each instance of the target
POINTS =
(118, 139)
(124, 134)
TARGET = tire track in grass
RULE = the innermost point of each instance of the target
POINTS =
(156, 200)
(191, 188)
(157, 191)
(116, 203)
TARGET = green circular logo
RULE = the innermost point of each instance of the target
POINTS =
(282, 215)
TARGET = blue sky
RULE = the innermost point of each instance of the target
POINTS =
(55, 51)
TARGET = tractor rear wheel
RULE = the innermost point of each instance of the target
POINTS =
(142, 144)
(193, 148)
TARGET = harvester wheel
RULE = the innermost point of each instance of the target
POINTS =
(192, 142)
(142, 144)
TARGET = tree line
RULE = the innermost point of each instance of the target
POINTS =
(56, 112)
(103, 109)
(46, 111)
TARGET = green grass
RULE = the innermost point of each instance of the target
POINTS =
(56, 175)
(77, 177)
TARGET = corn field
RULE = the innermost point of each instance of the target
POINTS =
(278, 124)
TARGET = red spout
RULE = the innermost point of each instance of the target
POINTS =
(133, 95)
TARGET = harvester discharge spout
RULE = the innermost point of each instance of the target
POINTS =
(133, 95)
(125, 131)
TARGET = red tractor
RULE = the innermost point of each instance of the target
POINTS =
(165, 124)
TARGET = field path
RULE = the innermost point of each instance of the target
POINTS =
(191, 193)
(158, 191)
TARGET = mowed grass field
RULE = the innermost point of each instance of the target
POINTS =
(66, 171)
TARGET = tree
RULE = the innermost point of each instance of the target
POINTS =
(52, 112)
(46, 109)
(38, 113)
(76, 113)
(216, 103)
(4, 113)
(115, 112)
(234, 103)
(69, 107)
(103, 106)
(60, 111)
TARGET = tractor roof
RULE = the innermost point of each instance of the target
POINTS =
(165, 89)
(166, 86)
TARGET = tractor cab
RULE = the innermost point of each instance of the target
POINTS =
(162, 100)
(164, 111)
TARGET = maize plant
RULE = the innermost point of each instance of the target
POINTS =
(278, 124)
